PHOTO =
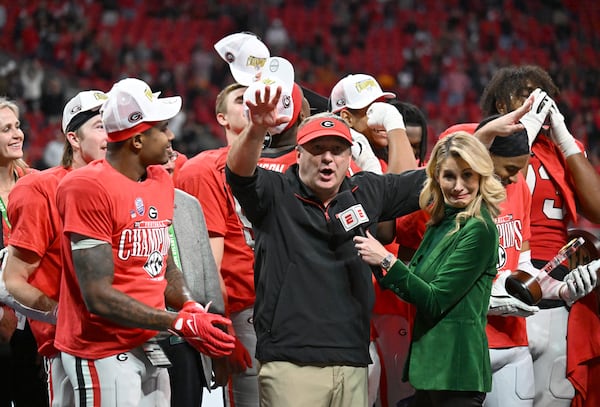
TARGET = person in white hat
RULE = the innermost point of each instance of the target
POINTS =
(356, 99)
(33, 265)
(119, 274)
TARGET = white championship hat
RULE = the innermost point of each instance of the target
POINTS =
(132, 107)
(278, 67)
(245, 54)
(85, 101)
(356, 91)
(278, 71)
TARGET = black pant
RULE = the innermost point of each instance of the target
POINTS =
(186, 374)
(447, 398)
(22, 377)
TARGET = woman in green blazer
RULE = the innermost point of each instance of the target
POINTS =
(450, 277)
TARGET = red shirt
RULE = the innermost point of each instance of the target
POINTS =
(409, 233)
(203, 176)
(513, 230)
(553, 199)
(36, 226)
(18, 173)
(99, 202)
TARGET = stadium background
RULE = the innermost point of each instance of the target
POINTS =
(436, 54)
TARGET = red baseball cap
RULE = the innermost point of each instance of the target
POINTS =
(324, 127)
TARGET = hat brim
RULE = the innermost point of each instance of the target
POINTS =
(164, 109)
(326, 133)
(122, 135)
(89, 101)
(380, 97)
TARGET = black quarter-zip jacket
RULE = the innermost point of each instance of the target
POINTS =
(314, 294)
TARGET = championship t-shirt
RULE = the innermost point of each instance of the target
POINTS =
(99, 202)
(36, 226)
(513, 230)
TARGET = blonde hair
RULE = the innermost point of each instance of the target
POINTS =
(221, 102)
(462, 145)
(67, 157)
(12, 105)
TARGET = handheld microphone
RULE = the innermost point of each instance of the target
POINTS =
(352, 218)
(352, 215)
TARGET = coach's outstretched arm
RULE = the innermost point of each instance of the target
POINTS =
(245, 150)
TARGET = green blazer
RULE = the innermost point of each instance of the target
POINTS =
(449, 281)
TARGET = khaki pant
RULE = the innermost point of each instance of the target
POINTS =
(290, 385)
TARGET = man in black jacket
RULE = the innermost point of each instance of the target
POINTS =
(313, 292)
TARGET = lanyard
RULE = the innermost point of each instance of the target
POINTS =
(174, 247)
(4, 214)
(173, 340)
(3, 206)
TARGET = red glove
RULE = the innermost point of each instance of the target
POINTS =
(193, 307)
(199, 330)
(240, 359)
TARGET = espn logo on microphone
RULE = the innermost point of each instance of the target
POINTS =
(353, 217)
